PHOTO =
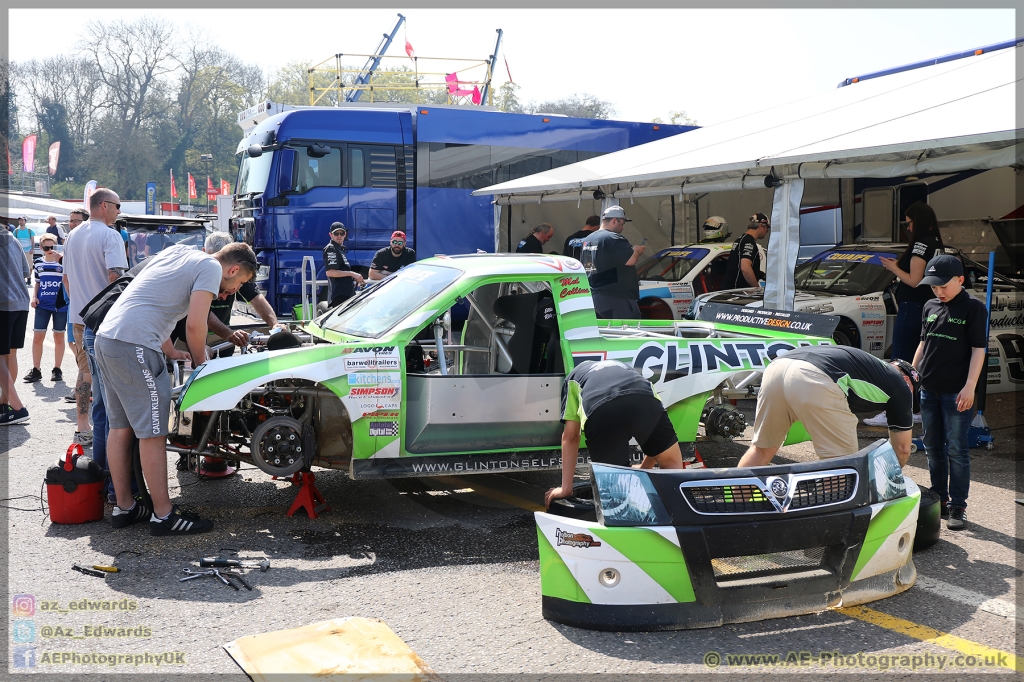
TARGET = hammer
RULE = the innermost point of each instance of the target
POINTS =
(217, 562)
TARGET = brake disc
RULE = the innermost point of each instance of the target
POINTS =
(277, 446)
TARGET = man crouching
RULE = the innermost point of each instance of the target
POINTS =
(132, 346)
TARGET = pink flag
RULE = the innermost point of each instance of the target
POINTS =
(54, 155)
(28, 154)
(409, 51)
(174, 190)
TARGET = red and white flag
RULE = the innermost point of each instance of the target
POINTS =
(409, 51)
(174, 190)
(225, 187)
(192, 194)
(210, 189)
(54, 156)
(28, 154)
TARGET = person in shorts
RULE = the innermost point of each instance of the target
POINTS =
(611, 403)
(821, 387)
(49, 274)
(13, 320)
(25, 236)
(132, 348)
(951, 357)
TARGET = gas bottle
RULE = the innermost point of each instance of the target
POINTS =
(74, 488)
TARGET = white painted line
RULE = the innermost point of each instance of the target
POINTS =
(806, 627)
(982, 602)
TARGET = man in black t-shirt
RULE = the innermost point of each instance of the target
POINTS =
(821, 387)
(391, 259)
(744, 267)
(611, 403)
(951, 357)
(535, 241)
(342, 277)
(573, 247)
(614, 283)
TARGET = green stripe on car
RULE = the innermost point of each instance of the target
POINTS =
(882, 526)
(556, 580)
(656, 556)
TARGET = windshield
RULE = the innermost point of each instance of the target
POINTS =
(253, 173)
(394, 299)
(844, 272)
(670, 265)
(145, 243)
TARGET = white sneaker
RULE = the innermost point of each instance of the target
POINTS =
(917, 418)
(878, 420)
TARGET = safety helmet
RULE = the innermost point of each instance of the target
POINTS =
(715, 229)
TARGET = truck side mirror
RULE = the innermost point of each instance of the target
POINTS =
(254, 151)
(317, 150)
(286, 171)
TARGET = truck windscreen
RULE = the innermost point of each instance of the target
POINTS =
(253, 173)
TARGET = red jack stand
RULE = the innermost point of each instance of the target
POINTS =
(696, 463)
(309, 498)
(214, 467)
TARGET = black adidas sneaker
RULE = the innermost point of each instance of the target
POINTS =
(122, 518)
(178, 523)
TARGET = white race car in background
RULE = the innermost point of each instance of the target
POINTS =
(672, 277)
(850, 282)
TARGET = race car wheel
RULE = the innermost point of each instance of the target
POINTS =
(929, 521)
(846, 334)
(655, 309)
(277, 446)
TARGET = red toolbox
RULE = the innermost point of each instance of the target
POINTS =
(74, 488)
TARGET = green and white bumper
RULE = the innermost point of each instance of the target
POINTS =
(699, 548)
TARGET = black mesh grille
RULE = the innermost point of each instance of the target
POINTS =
(767, 564)
(728, 499)
(824, 490)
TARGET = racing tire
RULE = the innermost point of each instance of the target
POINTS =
(929, 521)
(846, 334)
(579, 506)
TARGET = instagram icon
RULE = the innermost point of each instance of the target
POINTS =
(23, 605)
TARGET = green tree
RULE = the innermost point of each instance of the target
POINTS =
(579, 106)
(507, 99)
(677, 117)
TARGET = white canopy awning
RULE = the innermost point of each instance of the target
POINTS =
(954, 116)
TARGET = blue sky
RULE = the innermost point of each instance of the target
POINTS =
(711, 63)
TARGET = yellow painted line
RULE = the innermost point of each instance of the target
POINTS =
(507, 498)
(929, 635)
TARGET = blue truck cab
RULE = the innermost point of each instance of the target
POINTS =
(395, 167)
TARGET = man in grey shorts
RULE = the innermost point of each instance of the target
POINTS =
(132, 346)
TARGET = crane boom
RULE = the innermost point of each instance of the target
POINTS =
(373, 62)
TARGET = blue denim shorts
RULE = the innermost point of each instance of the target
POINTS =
(43, 317)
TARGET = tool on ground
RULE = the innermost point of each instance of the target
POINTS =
(107, 569)
(223, 576)
(74, 488)
(219, 562)
(88, 571)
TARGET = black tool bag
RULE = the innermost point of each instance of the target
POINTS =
(96, 310)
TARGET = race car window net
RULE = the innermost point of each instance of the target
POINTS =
(842, 277)
(671, 265)
(391, 301)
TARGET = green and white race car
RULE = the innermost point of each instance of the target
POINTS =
(695, 548)
(384, 389)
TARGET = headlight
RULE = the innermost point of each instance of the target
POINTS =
(885, 474)
(263, 273)
(691, 312)
(626, 497)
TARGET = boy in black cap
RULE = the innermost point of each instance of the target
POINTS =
(950, 357)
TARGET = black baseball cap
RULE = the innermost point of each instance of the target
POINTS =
(941, 269)
(915, 379)
(338, 226)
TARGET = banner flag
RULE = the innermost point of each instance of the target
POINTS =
(174, 190)
(150, 198)
(225, 187)
(28, 154)
(211, 191)
(192, 187)
(90, 187)
(54, 155)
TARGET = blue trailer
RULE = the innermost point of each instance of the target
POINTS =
(395, 167)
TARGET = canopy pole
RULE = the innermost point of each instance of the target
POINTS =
(783, 246)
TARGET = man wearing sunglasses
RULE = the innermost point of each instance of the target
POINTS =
(342, 277)
(391, 259)
(744, 267)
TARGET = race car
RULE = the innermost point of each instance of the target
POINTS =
(850, 282)
(383, 388)
(672, 277)
(696, 548)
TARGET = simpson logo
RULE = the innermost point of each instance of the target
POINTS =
(382, 390)
(869, 323)
(575, 539)
(384, 429)
(364, 363)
